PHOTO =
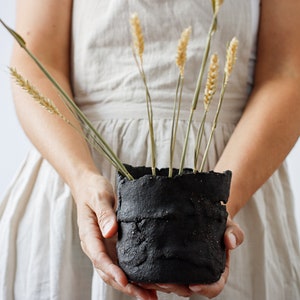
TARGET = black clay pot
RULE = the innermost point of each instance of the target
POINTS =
(171, 229)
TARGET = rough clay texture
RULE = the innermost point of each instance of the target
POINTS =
(171, 229)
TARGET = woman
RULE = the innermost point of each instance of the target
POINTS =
(85, 45)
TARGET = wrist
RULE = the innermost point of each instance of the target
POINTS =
(82, 175)
(238, 198)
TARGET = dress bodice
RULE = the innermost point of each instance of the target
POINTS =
(106, 79)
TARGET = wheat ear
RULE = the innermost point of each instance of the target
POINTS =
(180, 62)
(231, 54)
(137, 35)
(105, 148)
(212, 30)
(138, 50)
(230, 58)
(210, 90)
(44, 102)
(181, 49)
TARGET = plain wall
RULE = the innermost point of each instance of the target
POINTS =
(14, 144)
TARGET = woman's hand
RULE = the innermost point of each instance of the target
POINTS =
(97, 223)
(233, 237)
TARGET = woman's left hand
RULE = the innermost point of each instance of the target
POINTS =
(233, 237)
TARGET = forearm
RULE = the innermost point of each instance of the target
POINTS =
(264, 136)
(48, 36)
(57, 141)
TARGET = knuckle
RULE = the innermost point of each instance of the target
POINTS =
(95, 261)
(103, 196)
(103, 214)
(82, 234)
(104, 276)
(104, 217)
(83, 247)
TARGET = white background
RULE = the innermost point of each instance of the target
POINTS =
(14, 144)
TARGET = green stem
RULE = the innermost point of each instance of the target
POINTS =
(215, 121)
(212, 29)
(199, 141)
(175, 119)
(149, 112)
(104, 146)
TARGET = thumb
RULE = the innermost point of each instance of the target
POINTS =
(107, 222)
(106, 217)
(234, 235)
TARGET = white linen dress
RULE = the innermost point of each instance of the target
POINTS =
(40, 254)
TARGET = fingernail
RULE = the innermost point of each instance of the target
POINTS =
(120, 282)
(107, 228)
(195, 289)
(164, 286)
(232, 240)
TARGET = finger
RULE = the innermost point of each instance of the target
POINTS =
(152, 286)
(214, 289)
(107, 220)
(234, 235)
(180, 290)
(103, 206)
(131, 289)
(93, 246)
(102, 200)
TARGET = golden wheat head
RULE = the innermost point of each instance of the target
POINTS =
(230, 58)
(137, 35)
(46, 103)
(181, 49)
(212, 78)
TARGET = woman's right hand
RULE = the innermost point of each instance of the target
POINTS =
(61, 145)
(98, 228)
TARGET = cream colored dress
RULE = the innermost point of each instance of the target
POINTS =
(40, 254)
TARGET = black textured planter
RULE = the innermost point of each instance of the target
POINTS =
(171, 229)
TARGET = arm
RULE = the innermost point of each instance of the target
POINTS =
(45, 26)
(270, 125)
(47, 36)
